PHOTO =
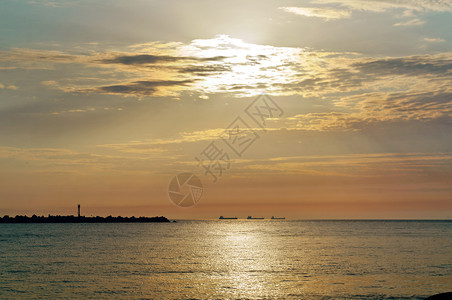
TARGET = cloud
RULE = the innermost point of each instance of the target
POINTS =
(142, 87)
(412, 22)
(365, 110)
(205, 70)
(324, 13)
(354, 165)
(383, 5)
(121, 158)
(186, 137)
(8, 86)
(414, 65)
(135, 147)
(201, 65)
(49, 83)
(16, 54)
(141, 59)
(54, 4)
(89, 109)
(54, 157)
(224, 64)
(434, 40)
(356, 74)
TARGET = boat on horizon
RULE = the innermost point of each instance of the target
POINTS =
(223, 218)
(276, 218)
(251, 218)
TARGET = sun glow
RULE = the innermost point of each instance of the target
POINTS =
(251, 67)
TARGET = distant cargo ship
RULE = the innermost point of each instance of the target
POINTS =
(251, 218)
(275, 218)
(223, 218)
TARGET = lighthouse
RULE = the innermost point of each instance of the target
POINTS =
(79, 210)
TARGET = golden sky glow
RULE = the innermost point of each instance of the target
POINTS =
(104, 110)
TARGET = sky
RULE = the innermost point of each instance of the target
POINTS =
(340, 108)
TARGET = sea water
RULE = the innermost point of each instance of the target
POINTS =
(224, 259)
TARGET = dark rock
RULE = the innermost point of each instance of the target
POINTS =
(443, 296)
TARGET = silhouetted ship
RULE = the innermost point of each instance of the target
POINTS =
(275, 218)
(81, 219)
(223, 218)
(251, 218)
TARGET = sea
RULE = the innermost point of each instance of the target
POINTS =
(227, 259)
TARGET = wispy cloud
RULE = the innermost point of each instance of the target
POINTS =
(48, 3)
(356, 165)
(382, 5)
(324, 13)
(142, 88)
(369, 109)
(8, 86)
(383, 89)
(55, 157)
(434, 40)
(412, 22)
(439, 64)
(143, 59)
(89, 109)
(155, 68)
(338, 9)
(119, 158)
(184, 137)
